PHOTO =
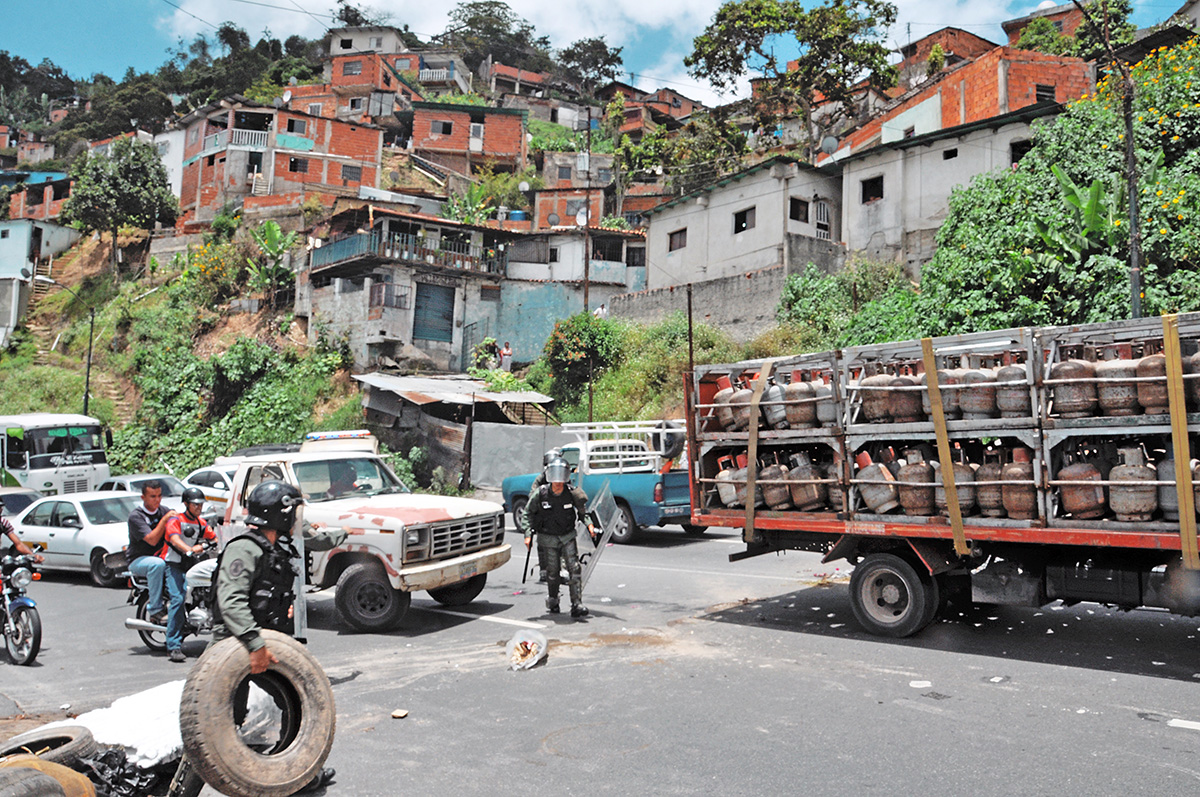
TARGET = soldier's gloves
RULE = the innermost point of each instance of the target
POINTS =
(526, 542)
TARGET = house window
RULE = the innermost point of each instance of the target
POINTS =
(352, 173)
(575, 207)
(347, 44)
(743, 220)
(376, 42)
(314, 109)
(564, 172)
(605, 176)
(1058, 25)
(635, 257)
(1018, 150)
(554, 115)
(677, 240)
(298, 165)
(554, 254)
(798, 209)
(676, 103)
(193, 135)
(210, 160)
(1043, 93)
(403, 63)
(433, 316)
(387, 79)
(297, 126)
(872, 189)
(3, 233)
(609, 249)
(822, 214)
(352, 68)
(356, 103)
(476, 130)
(440, 128)
(950, 154)
(909, 132)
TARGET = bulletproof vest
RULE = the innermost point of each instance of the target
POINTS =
(556, 512)
(272, 587)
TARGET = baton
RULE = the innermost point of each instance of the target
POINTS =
(528, 552)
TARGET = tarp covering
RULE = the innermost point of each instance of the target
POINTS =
(502, 450)
(449, 389)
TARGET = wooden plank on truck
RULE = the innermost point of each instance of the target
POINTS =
(937, 413)
(1177, 401)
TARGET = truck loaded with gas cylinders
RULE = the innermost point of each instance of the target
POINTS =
(398, 542)
(1019, 466)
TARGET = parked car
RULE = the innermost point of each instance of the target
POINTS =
(76, 530)
(172, 488)
(215, 482)
(14, 499)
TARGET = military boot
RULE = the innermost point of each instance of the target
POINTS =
(552, 604)
(578, 610)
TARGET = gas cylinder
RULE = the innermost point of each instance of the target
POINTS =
(1131, 502)
(1075, 399)
(800, 409)
(723, 411)
(827, 411)
(773, 410)
(726, 489)
(1168, 495)
(1153, 395)
(949, 397)
(740, 404)
(979, 400)
(880, 498)
(1117, 396)
(1013, 401)
(739, 478)
(989, 496)
(916, 499)
(875, 404)
(1191, 365)
(837, 498)
(905, 405)
(776, 496)
(1085, 501)
(1020, 499)
(806, 497)
(964, 488)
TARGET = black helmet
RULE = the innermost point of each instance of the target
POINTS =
(551, 455)
(273, 504)
(193, 495)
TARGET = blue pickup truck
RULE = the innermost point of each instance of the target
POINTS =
(648, 492)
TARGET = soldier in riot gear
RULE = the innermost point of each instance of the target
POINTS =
(538, 482)
(554, 508)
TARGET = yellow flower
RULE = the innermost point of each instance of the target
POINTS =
(1116, 222)
(1162, 230)
(1179, 216)
(1159, 193)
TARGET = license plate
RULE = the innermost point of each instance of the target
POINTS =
(467, 571)
(677, 510)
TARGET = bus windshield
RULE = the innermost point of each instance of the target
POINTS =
(64, 445)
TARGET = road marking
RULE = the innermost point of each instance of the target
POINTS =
(722, 573)
(1191, 726)
(485, 618)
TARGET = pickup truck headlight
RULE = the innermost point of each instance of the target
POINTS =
(416, 544)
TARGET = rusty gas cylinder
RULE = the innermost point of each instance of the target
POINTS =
(1118, 397)
(800, 408)
(978, 401)
(880, 498)
(1013, 401)
(1196, 486)
(772, 407)
(722, 410)
(964, 488)
(1168, 494)
(740, 404)
(740, 477)
(1075, 398)
(1133, 502)
(950, 407)
(827, 408)
(875, 403)
(1020, 498)
(806, 497)
(836, 497)
(1153, 395)
(726, 489)
(905, 405)
(989, 496)
(1086, 501)
(1191, 365)
(776, 496)
(915, 474)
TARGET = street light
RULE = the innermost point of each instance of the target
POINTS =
(87, 380)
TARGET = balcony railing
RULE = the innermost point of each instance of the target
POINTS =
(249, 138)
(409, 248)
(215, 141)
(434, 76)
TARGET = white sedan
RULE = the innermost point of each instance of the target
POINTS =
(76, 530)
(216, 482)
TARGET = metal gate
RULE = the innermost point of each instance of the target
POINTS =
(473, 335)
(433, 316)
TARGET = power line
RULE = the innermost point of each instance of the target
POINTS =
(190, 14)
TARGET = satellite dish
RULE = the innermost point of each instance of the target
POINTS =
(829, 145)
(287, 96)
(581, 218)
(523, 185)
(277, 102)
(395, 177)
(553, 219)
(292, 81)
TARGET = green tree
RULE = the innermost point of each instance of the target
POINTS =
(491, 27)
(840, 41)
(580, 348)
(268, 273)
(591, 61)
(126, 187)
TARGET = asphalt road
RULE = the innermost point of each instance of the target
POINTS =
(697, 675)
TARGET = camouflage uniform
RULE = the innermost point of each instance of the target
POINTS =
(553, 517)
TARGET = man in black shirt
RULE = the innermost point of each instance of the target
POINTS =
(147, 524)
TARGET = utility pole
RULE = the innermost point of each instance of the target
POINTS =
(587, 227)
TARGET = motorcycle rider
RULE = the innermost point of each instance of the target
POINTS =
(553, 511)
(147, 524)
(7, 530)
(183, 534)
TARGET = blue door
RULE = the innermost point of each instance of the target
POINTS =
(433, 316)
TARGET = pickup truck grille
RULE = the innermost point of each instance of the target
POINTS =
(453, 537)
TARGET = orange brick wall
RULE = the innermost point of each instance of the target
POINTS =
(1071, 19)
(546, 203)
(48, 209)
(952, 40)
(274, 201)
(503, 135)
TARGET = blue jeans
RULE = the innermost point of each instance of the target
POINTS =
(151, 568)
(177, 590)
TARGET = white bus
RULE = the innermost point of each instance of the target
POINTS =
(53, 453)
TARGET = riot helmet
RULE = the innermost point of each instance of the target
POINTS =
(558, 471)
(551, 455)
(272, 504)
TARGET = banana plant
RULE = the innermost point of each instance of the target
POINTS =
(270, 274)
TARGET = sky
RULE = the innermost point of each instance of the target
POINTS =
(89, 36)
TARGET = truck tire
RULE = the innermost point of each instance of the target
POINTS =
(28, 782)
(366, 600)
(888, 596)
(518, 513)
(62, 744)
(460, 594)
(209, 730)
(693, 530)
(102, 574)
(625, 528)
(668, 439)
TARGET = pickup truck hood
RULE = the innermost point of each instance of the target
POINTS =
(394, 511)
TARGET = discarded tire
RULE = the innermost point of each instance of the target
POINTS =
(25, 782)
(70, 783)
(668, 438)
(61, 744)
(300, 690)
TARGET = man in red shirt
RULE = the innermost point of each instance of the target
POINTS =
(183, 535)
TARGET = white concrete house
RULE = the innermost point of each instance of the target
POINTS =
(777, 212)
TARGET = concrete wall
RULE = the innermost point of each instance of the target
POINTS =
(170, 150)
(743, 306)
(925, 117)
(529, 310)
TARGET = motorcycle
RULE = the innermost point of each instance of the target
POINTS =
(197, 616)
(21, 622)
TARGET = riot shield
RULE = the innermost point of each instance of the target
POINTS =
(602, 509)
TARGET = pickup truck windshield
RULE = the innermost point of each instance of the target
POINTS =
(326, 480)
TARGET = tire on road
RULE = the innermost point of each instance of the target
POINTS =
(28, 782)
(62, 744)
(25, 640)
(626, 527)
(210, 735)
(155, 640)
(692, 530)
(518, 513)
(889, 597)
(102, 574)
(460, 594)
(366, 600)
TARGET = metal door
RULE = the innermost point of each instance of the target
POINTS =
(433, 316)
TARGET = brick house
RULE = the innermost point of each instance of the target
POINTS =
(672, 103)
(6, 136)
(1066, 19)
(235, 149)
(32, 148)
(502, 79)
(465, 137)
(561, 207)
(42, 201)
(576, 169)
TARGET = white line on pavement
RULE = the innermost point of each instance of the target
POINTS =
(724, 573)
(485, 618)
(1191, 726)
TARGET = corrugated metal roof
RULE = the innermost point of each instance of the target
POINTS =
(449, 390)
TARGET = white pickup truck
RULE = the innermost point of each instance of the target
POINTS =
(399, 542)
